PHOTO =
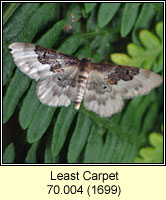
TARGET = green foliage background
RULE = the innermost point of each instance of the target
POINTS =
(42, 134)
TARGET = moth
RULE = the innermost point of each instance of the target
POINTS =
(63, 78)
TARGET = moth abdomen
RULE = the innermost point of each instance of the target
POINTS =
(81, 87)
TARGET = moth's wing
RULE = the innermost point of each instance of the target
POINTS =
(58, 89)
(38, 62)
(129, 81)
(109, 84)
(101, 97)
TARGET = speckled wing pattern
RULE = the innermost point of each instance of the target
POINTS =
(62, 79)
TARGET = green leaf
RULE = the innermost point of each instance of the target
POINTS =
(79, 138)
(128, 119)
(150, 116)
(109, 149)
(158, 67)
(31, 156)
(9, 154)
(91, 23)
(128, 18)
(136, 125)
(39, 20)
(52, 35)
(153, 154)
(20, 18)
(29, 107)
(9, 10)
(106, 12)
(15, 90)
(159, 8)
(102, 44)
(120, 58)
(135, 50)
(159, 30)
(40, 123)
(149, 40)
(70, 45)
(144, 21)
(60, 131)
(84, 53)
(8, 65)
(48, 156)
(89, 7)
(94, 145)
